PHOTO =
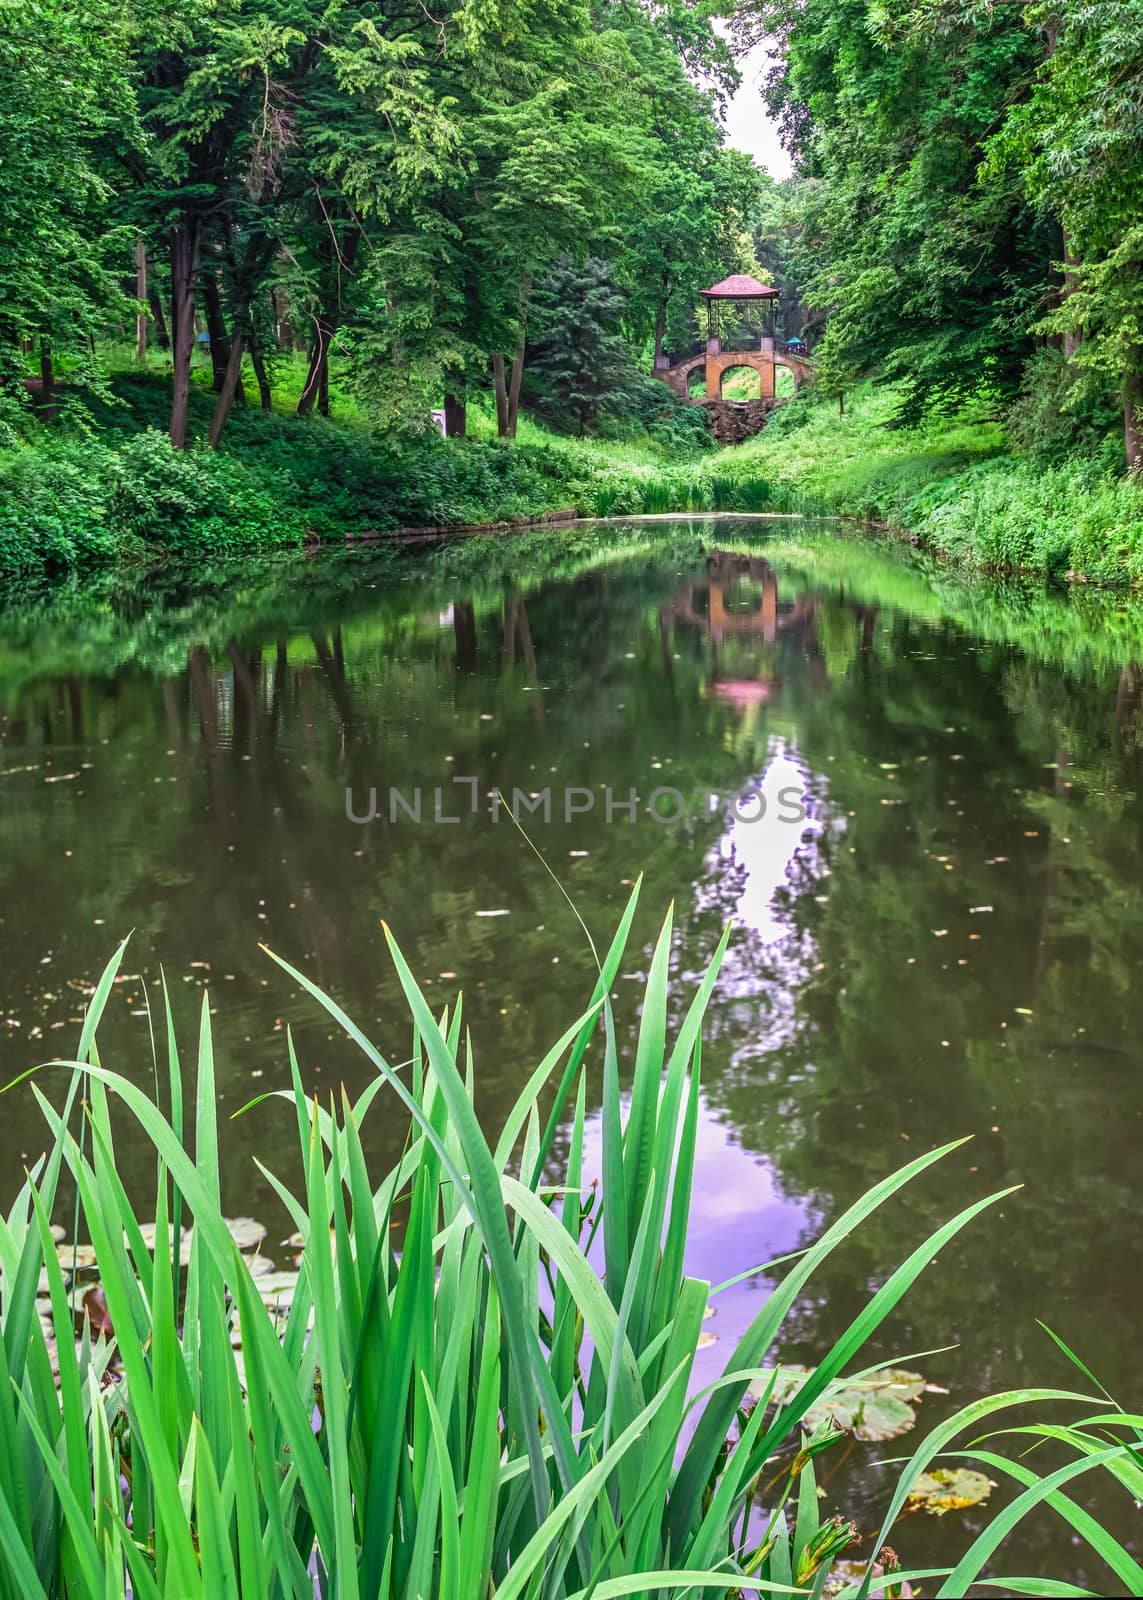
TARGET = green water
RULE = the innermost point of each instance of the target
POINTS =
(937, 921)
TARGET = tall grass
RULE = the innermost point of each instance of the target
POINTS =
(481, 1412)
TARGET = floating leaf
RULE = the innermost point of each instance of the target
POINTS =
(874, 1409)
(946, 1489)
(278, 1287)
(79, 1256)
(147, 1229)
(245, 1232)
(96, 1312)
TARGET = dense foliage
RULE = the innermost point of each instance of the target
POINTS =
(969, 187)
(505, 209)
(390, 185)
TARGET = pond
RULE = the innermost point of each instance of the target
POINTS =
(917, 799)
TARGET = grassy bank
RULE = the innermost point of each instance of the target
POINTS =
(505, 1405)
(105, 487)
(109, 490)
(957, 486)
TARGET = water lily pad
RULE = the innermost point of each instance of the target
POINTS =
(80, 1256)
(148, 1230)
(949, 1489)
(278, 1288)
(245, 1232)
(873, 1409)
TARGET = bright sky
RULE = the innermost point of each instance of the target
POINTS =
(748, 127)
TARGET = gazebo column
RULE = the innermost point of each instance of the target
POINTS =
(713, 347)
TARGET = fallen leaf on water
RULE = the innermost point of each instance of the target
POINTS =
(79, 1256)
(848, 1574)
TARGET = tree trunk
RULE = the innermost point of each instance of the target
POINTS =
(283, 332)
(216, 328)
(47, 381)
(260, 375)
(514, 388)
(660, 331)
(319, 368)
(518, 361)
(141, 296)
(158, 315)
(501, 386)
(229, 378)
(1073, 337)
(184, 263)
(1133, 421)
(456, 417)
(323, 385)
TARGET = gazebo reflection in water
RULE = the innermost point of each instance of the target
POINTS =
(738, 612)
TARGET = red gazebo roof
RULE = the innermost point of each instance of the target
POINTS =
(740, 287)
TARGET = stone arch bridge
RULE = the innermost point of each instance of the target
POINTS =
(676, 373)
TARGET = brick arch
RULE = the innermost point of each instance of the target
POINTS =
(759, 361)
(801, 370)
(717, 365)
(679, 378)
(745, 366)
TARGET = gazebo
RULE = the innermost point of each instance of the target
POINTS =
(730, 343)
(739, 289)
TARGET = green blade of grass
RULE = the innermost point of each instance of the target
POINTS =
(965, 1573)
(1105, 1545)
(698, 1463)
(942, 1435)
(868, 1320)
(219, 1576)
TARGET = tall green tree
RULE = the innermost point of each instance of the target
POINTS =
(65, 87)
(930, 268)
(1076, 144)
(580, 364)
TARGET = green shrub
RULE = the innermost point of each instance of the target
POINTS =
(1056, 416)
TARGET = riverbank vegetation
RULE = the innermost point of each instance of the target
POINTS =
(959, 485)
(963, 242)
(199, 223)
(479, 1378)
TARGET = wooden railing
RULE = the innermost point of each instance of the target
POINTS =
(678, 358)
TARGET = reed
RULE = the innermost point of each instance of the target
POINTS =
(480, 1413)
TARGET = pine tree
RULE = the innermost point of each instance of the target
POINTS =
(579, 364)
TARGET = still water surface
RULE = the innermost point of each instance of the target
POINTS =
(937, 920)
